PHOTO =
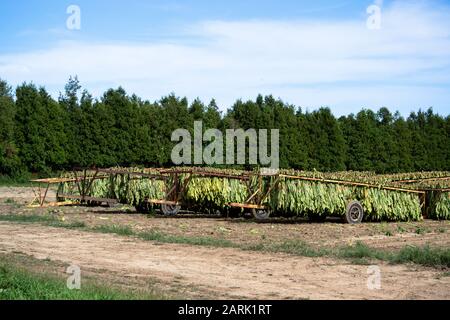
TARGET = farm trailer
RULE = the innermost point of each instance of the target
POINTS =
(176, 182)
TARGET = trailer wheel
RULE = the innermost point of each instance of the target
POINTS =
(143, 207)
(261, 214)
(217, 212)
(170, 210)
(93, 203)
(355, 212)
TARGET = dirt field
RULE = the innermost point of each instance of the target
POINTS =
(196, 271)
(221, 271)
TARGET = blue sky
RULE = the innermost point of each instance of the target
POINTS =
(309, 53)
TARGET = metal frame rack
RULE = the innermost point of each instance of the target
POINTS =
(176, 182)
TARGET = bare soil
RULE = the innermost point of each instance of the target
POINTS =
(222, 272)
(331, 233)
(226, 273)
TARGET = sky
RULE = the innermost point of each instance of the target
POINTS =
(308, 53)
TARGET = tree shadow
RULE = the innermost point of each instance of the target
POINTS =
(247, 219)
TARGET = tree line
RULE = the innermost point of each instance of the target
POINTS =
(40, 134)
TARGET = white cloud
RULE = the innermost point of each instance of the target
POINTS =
(311, 63)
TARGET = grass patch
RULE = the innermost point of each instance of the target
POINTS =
(50, 221)
(426, 256)
(24, 181)
(17, 284)
(400, 229)
(67, 225)
(115, 229)
(420, 230)
(27, 218)
(196, 241)
(164, 238)
(358, 253)
(299, 248)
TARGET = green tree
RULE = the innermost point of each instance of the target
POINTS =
(70, 103)
(169, 114)
(384, 152)
(428, 140)
(326, 152)
(53, 133)
(10, 163)
(40, 132)
(361, 135)
(403, 141)
(212, 118)
(197, 110)
(447, 144)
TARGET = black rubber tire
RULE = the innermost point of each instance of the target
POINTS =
(217, 212)
(93, 203)
(234, 213)
(170, 210)
(355, 213)
(143, 208)
(261, 214)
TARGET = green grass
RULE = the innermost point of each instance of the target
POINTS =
(299, 248)
(50, 221)
(115, 229)
(400, 229)
(15, 182)
(12, 202)
(357, 253)
(197, 241)
(420, 230)
(17, 284)
(427, 256)
(27, 218)
(67, 225)
(161, 237)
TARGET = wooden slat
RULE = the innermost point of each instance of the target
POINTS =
(156, 201)
(356, 184)
(247, 206)
(201, 173)
(52, 204)
(421, 180)
(132, 173)
(62, 180)
(53, 180)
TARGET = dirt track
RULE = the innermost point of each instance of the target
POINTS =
(222, 272)
(22, 194)
(392, 236)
